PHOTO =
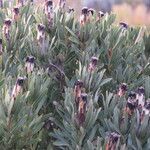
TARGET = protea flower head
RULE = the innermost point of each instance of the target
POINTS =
(130, 107)
(132, 95)
(82, 108)
(30, 62)
(100, 15)
(112, 141)
(40, 32)
(122, 89)
(78, 90)
(48, 7)
(7, 22)
(124, 25)
(84, 10)
(93, 63)
(18, 87)
(6, 28)
(15, 13)
(141, 90)
(91, 11)
(147, 108)
(140, 96)
(84, 15)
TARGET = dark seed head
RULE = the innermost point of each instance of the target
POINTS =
(30, 59)
(100, 14)
(123, 24)
(84, 97)
(7, 22)
(131, 105)
(123, 86)
(114, 137)
(84, 10)
(147, 105)
(41, 27)
(91, 10)
(16, 10)
(141, 90)
(20, 81)
(79, 83)
(49, 3)
(94, 60)
(132, 95)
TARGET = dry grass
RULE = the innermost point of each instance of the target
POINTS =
(134, 16)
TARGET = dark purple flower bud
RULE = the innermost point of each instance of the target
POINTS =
(16, 10)
(84, 97)
(49, 3)
(100, 14)
(20, 81)
(114, 137)
(132, 95)
(84, 10)
(131, 105)
(91, 11)
(7, 22)
(94, 60)
(112, 141)
(147, 105)
(140, 90)
(123, 24)
(79, 83)
(30, 59)
(41, 27)
(122, 89)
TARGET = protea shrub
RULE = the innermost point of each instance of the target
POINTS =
(69, 100)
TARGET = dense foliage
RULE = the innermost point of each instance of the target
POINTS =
(72, 84)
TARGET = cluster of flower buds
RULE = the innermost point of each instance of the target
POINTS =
(123, 25)
(15, 13)
(20, 3)
(62, 4)
(30, 63)
(18, 88)
(49, 12)
(93, 64)
(40, 33)
(84, 16)
(112, 141)
(6, 28)
(1, 47)
(122, 89)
